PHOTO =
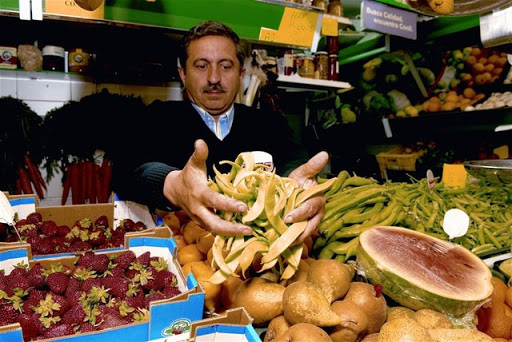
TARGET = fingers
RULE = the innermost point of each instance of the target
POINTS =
(312, 167)
(217, 201)
(198, 158)
(216, 225)
(312, 224)
(306, 210)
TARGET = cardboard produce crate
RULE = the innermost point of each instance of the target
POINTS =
(234, 326)
(397, 159)
(180, 310)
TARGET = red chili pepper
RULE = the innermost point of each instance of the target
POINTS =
(91, 192)
(33, 168)
(83, 182)
(75, 183)
(17, 190)
(26, 187)
(107, 178)
(98, 184)
(66, 184)
(33, 178)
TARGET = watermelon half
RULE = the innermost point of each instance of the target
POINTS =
(422, 272)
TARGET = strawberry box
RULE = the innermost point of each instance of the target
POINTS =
(234, 325)
(167, 315)
(71, 222)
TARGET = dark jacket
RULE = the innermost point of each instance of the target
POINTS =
(165, 141)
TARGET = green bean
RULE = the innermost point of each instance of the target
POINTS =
(359, 198)
(342, 176)
(492, 238)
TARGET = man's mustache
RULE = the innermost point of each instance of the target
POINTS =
(214, 87)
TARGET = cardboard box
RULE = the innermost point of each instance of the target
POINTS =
(234, 326)
(23, 205)
(165, 315)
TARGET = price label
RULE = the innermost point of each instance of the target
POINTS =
(267, 35)
(454, 175)
(87, 9)
(329, 27)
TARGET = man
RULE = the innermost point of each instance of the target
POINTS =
(171, 175)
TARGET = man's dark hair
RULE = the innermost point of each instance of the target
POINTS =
(210, 28)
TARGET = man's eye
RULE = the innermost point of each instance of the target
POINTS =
(226, 66)
(201, 66)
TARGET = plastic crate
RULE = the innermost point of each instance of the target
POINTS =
(397, 159)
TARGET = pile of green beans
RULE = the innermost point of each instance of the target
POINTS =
(355, 204)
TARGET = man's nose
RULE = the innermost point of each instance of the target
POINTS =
(214, 75)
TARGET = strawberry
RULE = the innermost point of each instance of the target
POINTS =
(21, 222)
(125, 259)
(73, 285)
(49, 228)
(27, 230)
(62, 302)
(29, 326)
(170, 291)
(74, 298)
(35, 275)
(89, 283)
(75, 315)
(83, 224)
(2, 281)
(131, 274)
(127, 225)
(136, 302)
(117, 241)
(58, 282)
(163, 279)
(86, 327)
(138, 226)
(100, 263)
(110, 317)
(152, 297)
(33, 300)
(17, 281)
(85, 259)
(62, 231)
(117, 271)
(34, 218)
(8, 314)
(97, 237)
(144, 258)
(45, 246)
(80, 246)
(58, 330)
(101, 222)
(117, 285)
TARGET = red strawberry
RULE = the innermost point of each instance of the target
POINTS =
(33, 299)
(163, 279)
(73, 285)
(100, 263)
(16, 281)
(101, 222)
(62, 231)
(139, 226)
(127, 224)
(110, 317)
(2, 281)
(8, 314)
(35, 218)
(136, 302)
(28, 230)
(58, 282)
(59, 329)
(35, 275)
(62, 302)
(125, 259)
(117, 271)
(80, 246)
(84, 223)
(86, 327)
(29, 327)
(97, 237)
(19, 271)
(21, 222)
(85, 259)
(49, 228)
(130, 274)
(117, 285)
(45, 246)
(117, 241)
(73, 298)
(144, 258)
(152, 297)
(89, 283)
(170, 291)
(75, 315)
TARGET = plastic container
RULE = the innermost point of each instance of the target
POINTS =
(54, 58)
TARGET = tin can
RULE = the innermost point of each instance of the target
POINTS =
(78, 60)
(53, 58)
(321, 65)
(8, 57)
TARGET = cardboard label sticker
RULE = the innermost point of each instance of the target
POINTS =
(329, 26)
(454, 175)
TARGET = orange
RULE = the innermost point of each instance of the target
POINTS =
(227, 291)
(500, 290)
(449, 106)
(469, 93)
(205, 241)
(202, 273)
(172, 221)
(497, 71)
(192, 231)
(471, 60)
(478, 68)
(499, 324)
(180, 241)
(434, 106)
(493, 59)
(451, 97)
(499, 339)
(189, 253)
(476, 52)
(466, 77)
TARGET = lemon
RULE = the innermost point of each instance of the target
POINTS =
(506, 267)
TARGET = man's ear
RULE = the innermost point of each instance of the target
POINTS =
(181, 71)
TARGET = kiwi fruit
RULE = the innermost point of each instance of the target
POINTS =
(371, 301)
(331, 276)
(430, 319)
(304, 302)
(304, 332)
(263, 299)
(89, 5)
(277, 327)
(403, 329)
(353, 322)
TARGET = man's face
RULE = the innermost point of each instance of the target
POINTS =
(212, 73)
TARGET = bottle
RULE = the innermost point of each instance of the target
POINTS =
(332, 44)
(288, 62)
(322, 4)
(332, 73)
(335, 8)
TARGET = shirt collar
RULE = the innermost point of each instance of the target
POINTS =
(222, 126)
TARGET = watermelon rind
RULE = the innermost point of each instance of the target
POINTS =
(413, 292)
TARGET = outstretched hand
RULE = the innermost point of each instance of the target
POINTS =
(188, 189)
(312, 209)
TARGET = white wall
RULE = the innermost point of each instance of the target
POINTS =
(45, 91)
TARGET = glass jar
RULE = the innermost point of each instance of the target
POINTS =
(322, 4)
(335, 8)
(53, 58)
(333, 44)
(288, 62)
(78, 60)
(298, 61)
(307, 69)
(332, 73)
(321, 65)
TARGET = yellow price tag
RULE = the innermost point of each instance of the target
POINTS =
(297, 27)
(454, 175)
(267, 35)
(329, 27)
(501, 151)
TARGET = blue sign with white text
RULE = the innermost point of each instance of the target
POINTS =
(387, 19)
